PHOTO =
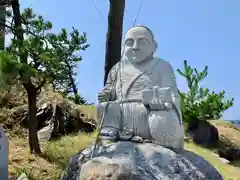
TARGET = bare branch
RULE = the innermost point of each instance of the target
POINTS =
(5, 25)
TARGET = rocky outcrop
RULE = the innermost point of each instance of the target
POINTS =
(126, 160)
(54, 119)
(229, 142)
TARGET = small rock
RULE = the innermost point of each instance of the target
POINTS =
(225, 161)
(23, 176)
(44, 106)
(45, 133)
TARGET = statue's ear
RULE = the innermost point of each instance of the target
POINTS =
(155, 44)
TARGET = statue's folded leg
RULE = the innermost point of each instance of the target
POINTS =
(166, 129)
(110, 114)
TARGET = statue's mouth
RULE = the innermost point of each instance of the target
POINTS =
(135, 53)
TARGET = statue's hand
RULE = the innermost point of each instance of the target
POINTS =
(103, 97)
(156, 104)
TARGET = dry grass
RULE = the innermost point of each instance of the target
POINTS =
(228, 133)
(56, 155)
(20, 160)
(12, 96)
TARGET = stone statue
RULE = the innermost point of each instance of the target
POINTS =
(3, 155)
(140, 103)
(140, 99)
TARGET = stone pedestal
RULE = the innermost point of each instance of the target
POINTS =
(139, 161)
(3, 155)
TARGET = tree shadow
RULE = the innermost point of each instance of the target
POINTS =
(236, 163)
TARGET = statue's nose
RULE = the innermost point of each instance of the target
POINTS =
(136, 46)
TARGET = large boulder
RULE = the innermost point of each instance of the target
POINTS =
(53, 119)
(229, 142)
(203, 132)
(127, 160)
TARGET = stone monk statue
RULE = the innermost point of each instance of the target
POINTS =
(140, 98)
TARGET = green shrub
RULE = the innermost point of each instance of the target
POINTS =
(199, 103)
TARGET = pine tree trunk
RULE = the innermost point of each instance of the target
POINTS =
(73, 84)
(114, 35)
(32, 114)
(2, 27)
(31, 90)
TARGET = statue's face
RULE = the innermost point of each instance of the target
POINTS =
(139, 44)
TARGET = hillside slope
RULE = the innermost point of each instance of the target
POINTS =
(56, 153)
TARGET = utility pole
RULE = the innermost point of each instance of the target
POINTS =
(114, 35)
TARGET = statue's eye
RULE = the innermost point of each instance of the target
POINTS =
(129, 42)
(143, 41)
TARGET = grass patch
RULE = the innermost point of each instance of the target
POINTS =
(57, 154)
(60, 151)
(229, 172)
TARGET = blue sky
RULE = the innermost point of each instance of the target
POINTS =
(202, 32)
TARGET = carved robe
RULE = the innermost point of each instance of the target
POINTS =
(126, 82)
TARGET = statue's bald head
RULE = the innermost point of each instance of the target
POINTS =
(139, 44)
(144, 30)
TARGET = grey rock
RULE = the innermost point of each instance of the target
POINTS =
(140, 161)
(45, 133)
(23, 176)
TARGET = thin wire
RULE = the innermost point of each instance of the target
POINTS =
(134, 22)
(101, 14)
(121, 96)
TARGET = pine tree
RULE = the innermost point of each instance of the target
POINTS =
(35, 58)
